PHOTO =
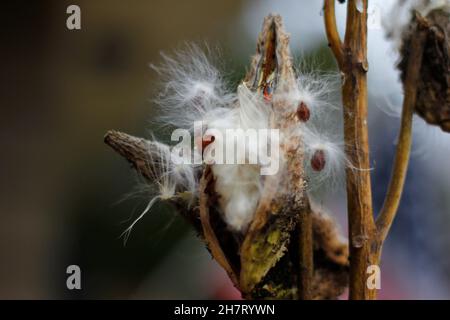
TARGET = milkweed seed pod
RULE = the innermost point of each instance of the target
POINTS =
(265, 265)
(433, 90)
(248, 221)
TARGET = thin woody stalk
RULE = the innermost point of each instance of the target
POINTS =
(393, 195)
(334, 40)
(353, 65)
(366, 236)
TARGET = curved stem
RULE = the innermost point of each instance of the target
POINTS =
(393, 195)
(334, 40)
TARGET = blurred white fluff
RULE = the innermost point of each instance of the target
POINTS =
(239, 185)
(254, 112)
(170, 178)
(316, 90)
(192, 87)
(323, 130)
(332, 146)
(239, 188)
(194, 90)
(396, 22)
(426, 139)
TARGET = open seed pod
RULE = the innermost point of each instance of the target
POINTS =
(263, 260)
(433, 91)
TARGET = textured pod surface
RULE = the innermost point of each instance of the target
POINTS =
(262, 262)
(270, 250)
(279, 281)
(433, 95)
(278, 211)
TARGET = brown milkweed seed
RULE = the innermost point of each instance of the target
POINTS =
(303, 112)
(318, 160)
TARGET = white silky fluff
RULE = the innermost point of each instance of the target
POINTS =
(239, 185)
(194, 90)
(240, 189)
(324, 129)
(335, 160)
(168, 177)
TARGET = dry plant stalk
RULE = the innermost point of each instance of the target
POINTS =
(367, 235)
(289, 251)
(352, 60)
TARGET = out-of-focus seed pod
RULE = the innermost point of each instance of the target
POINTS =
(303, 113)
(318, 160)
(433, 90)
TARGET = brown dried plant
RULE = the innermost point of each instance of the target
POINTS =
(425, 50)
(291, 250)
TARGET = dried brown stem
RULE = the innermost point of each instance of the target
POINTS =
(354, 67)
(393, 195)
(366, 235)
(334, 41)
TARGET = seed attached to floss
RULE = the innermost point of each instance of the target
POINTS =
(303, 112)
(318, 160)
(267, 93)
(203, 142)
(200, 96)
(207, 140)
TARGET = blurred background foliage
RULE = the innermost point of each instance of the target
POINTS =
(61, 186)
